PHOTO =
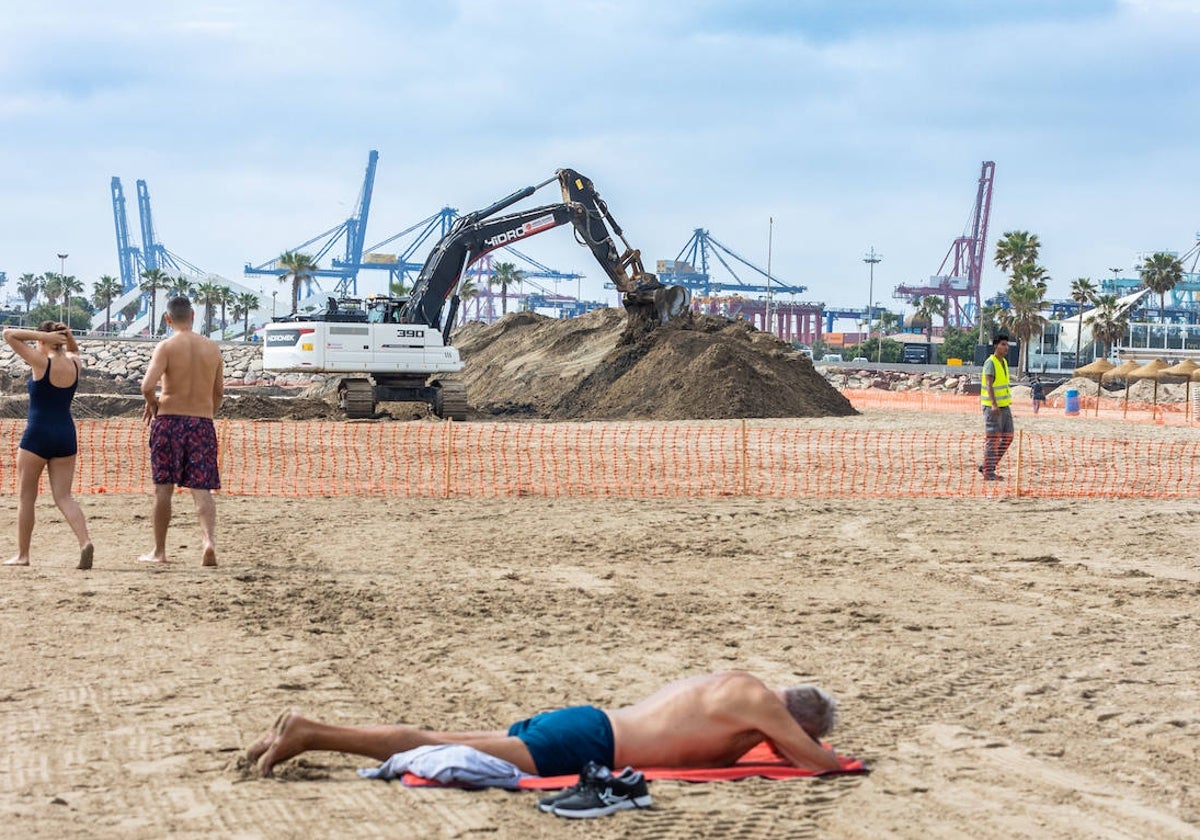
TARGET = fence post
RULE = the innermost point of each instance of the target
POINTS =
(1020, 447)
(745, 461)
(449, 453)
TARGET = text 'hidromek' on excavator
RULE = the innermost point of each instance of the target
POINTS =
(398, 349)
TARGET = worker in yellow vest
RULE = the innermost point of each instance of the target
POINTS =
(996, 397)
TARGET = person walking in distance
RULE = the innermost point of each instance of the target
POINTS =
(996, 397)
(183, 438)
(1038, 392)
(49, 442)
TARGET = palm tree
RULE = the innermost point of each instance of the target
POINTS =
(70, 286)
(468, 290)
(153, 279)
(397, 287)
(1109, 322)
(226, 299)
(52, 287)
(28, 286)
(180, 286)
(1083, 292)
(1024, 317)
(926, 310)
(989, 318)
(505, 274)
(209, 294)
(130, 310)
(243, 304)
(1015, 249)
(104, 292)
(1161, 272)
(885, 321)
(1033, 274)
(300, 268)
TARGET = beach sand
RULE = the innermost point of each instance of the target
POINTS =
(1006, 667)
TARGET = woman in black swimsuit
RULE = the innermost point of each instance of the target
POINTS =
(49, 441)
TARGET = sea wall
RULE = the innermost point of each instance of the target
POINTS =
(126, 359)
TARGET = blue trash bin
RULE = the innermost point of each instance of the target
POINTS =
(1072, 402)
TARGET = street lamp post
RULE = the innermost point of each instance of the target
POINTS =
(62, 278)
(879, 346)
(871, 259)
(1116, 272)
(770, 236)
(274, 295)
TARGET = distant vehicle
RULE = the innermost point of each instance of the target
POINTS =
(858, 359)
(832, 357)
(806, 351)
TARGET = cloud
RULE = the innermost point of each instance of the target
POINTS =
(852, 124)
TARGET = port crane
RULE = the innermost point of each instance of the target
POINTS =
(958, 277)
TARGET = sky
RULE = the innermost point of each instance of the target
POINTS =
(802, 133)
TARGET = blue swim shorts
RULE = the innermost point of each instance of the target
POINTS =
(561, 742)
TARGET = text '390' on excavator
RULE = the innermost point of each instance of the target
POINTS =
(398, 348)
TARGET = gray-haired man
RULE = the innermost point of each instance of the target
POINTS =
(703, 721)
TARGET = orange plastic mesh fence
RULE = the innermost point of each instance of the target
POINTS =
(1109, 408)
(615, 460)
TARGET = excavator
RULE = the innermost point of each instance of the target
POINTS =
(398, 348)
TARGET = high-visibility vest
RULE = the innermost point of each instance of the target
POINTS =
(999, 385)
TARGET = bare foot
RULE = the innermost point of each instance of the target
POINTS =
(255, 752)
(210, 557)
(288, 742)
(85, 556)
(16, 561)
(152, 558)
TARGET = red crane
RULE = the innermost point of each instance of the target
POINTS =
(960, 287)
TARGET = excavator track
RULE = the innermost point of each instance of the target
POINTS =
(357, 399)
(451, 402)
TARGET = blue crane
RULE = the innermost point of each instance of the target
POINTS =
(683, 269)
(129, 256)
(154, 253)
(353, 231)
(401, 266)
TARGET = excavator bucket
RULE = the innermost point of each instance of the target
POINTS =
(670, 302)
(648, 308)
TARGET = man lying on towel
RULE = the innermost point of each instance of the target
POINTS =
(704, 721)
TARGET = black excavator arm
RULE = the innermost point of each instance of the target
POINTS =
(481, 231)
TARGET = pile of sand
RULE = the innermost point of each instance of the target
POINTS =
(528, 365)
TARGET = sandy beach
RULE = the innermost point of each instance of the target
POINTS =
(1006, 667)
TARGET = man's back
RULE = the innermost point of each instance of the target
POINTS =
(191, 375)
(711, 721)
(691, 722)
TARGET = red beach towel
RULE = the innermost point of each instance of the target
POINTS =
(759, 762)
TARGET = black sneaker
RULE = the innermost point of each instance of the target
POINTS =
(590, 771)
(603, 794)
(546, 803)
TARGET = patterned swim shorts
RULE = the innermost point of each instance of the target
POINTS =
(183, 451)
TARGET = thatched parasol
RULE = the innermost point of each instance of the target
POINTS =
(1096, 369)
(1147, 371)
(1183, 372)
(1121, 371)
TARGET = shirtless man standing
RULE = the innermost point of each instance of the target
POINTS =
(183, 439)
(704, 721)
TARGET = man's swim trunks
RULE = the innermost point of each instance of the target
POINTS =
(50, 430)
(183, 451)
(562, 742)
